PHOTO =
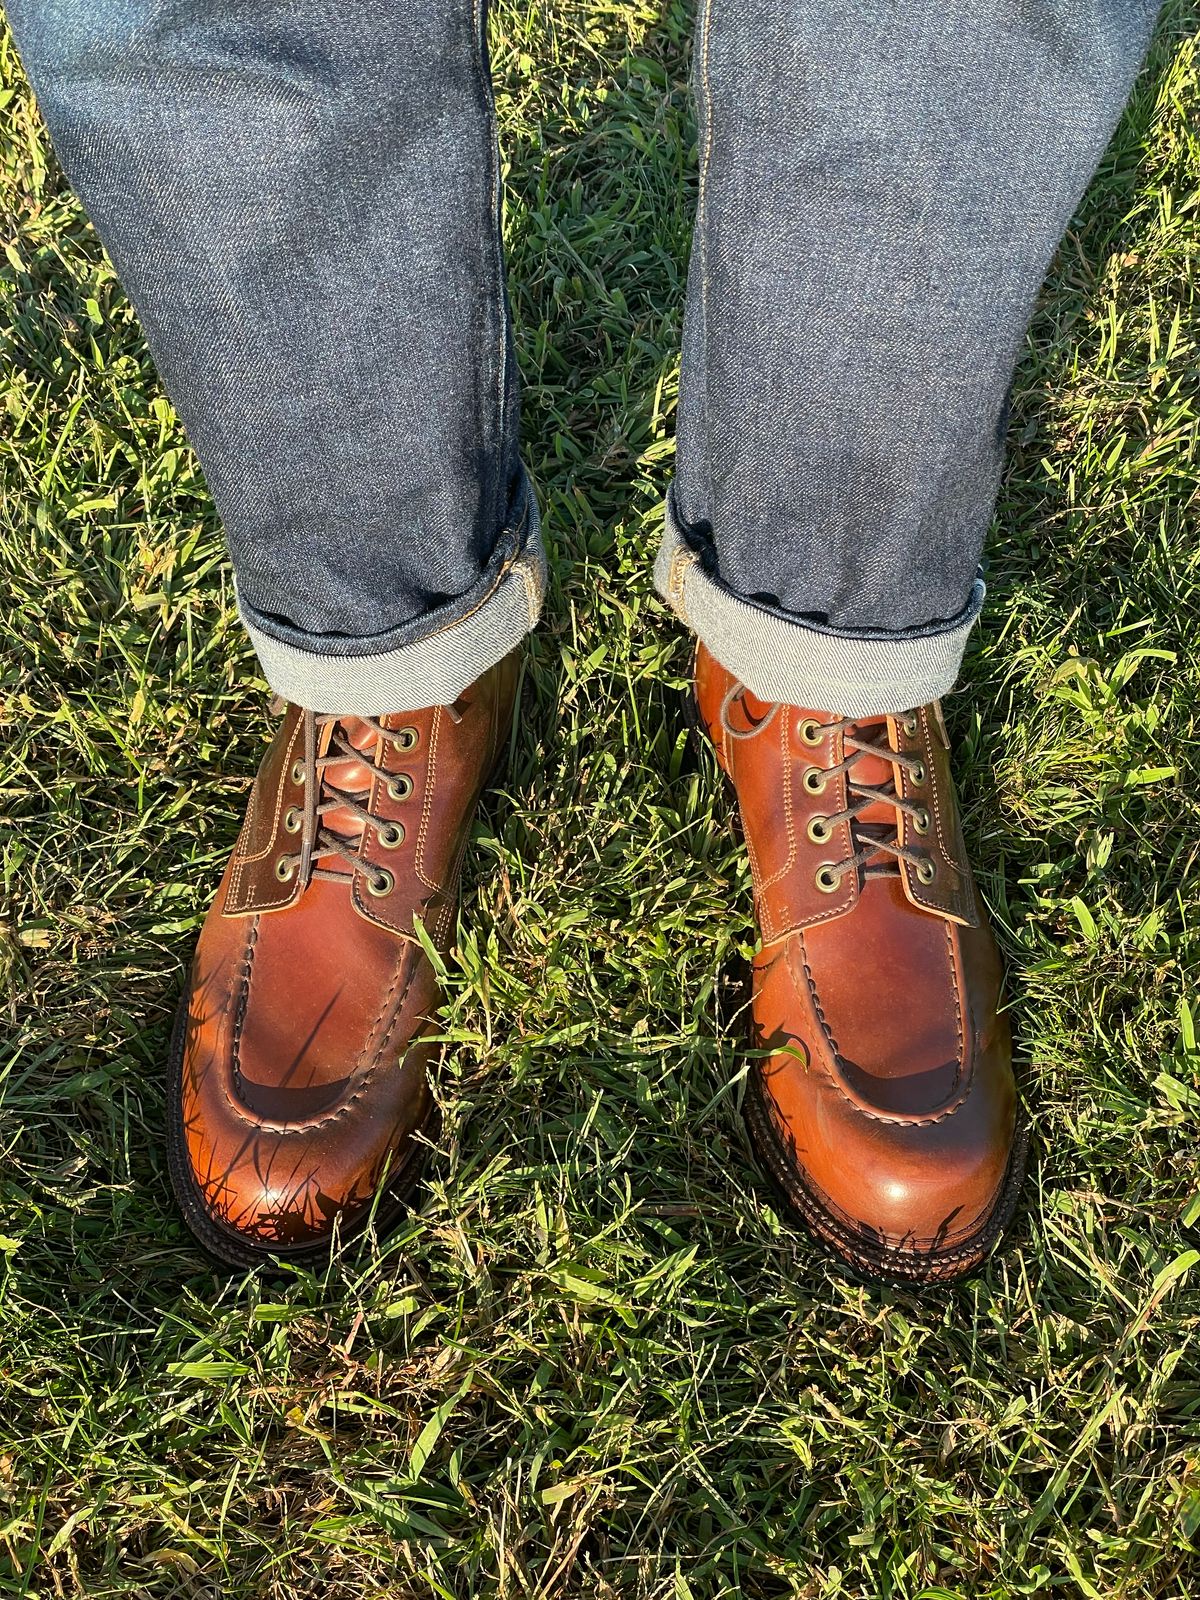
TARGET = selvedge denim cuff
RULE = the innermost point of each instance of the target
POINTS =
(449, 649)
(782, 657)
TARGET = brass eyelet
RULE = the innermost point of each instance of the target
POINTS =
(926, 872)
(405, 738)
(811, 731)
(814, 780)
(918, 773)
(819, 830)
(391, 835)
(826, 879)
(400, 787)
(298, 772)
(921, 821)
(910, 726)
(285, 869)
(380, 883)
(293, 819)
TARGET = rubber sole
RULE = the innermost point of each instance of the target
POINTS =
(233, 1251)
(897, 1265)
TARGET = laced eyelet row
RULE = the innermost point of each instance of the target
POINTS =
(866, 845)
(391, 835)
(827, 878)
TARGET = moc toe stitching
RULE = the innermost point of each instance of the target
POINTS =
(364, 1072)
(834, 1062)
(299, 1212)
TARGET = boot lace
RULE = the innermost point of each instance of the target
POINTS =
(323, 796)
(877, 848)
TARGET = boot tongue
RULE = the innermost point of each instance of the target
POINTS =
(346, 776)
(873, 772)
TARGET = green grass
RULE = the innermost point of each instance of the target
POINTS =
(597, 1363)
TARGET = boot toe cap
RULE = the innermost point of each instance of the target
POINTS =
(264, 1169)
(275, 1200)
(923, 1197)
(919, 1195)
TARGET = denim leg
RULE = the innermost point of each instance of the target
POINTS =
(882, 189)
(302, 202)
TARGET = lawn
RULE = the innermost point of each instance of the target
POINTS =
(598, 1363)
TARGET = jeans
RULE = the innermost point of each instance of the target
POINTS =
(303, 204)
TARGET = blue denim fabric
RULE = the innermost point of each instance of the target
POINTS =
(303, 204)
(302, 201)
(882, 189)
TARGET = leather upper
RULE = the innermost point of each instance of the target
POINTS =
(886, 1062)
(304, 1070)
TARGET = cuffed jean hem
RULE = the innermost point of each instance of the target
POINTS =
(432, 669)
(781, 657)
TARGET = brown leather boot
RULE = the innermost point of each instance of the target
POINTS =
(882, 1099)
(298, 1081)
